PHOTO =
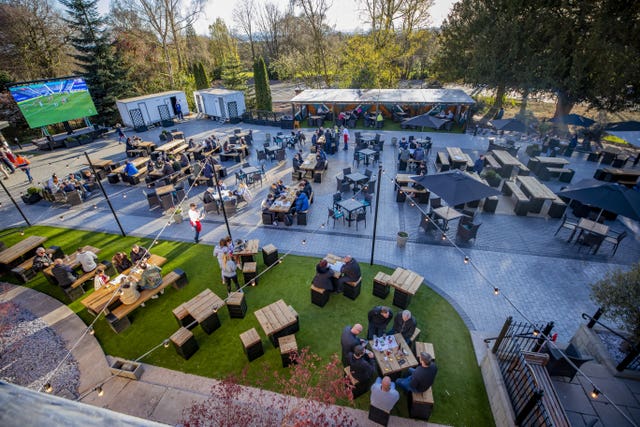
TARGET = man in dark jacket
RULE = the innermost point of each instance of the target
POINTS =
(42, 260)
(350, 272)
(63, 273)
(348, 340)
(404, 324)
(420, 378)
(379, 318)
(361, 364)
(138, 253)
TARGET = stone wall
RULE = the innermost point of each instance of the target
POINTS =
(503, 414)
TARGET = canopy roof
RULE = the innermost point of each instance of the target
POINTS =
(383, 96)
(152, 96)
(632, 137)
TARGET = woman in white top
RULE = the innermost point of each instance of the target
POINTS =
(100, 279)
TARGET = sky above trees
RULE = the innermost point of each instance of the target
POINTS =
(343, 14)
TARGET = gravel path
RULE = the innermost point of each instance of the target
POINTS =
(30, 350)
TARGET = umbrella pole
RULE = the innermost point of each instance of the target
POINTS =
(599, 214)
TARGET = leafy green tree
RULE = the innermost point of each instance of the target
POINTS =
(200, 76)
(96, 57)
(263, 91)
(232, 76)
(618, 294)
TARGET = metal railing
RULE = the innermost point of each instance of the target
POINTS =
(632, 360)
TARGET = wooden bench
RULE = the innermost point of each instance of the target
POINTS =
(421, 404)
(135, 179)
(288, 349)
(509, 188)
(24, 271)
(76, 289)
(118, 317)
(319, 296)
(442, 159)
(491, 163)
(536, 362)
(563, 175)
(523, 170)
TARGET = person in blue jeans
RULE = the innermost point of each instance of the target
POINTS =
(420, 378)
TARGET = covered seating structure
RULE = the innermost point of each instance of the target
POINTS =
(313, 102)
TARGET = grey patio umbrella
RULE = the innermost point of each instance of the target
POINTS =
(456, 187)
(573, 120)
(509, 125)
(608, 196)
(425, 121)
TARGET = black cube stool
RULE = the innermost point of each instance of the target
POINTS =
(210, 322)
(319, 296)
(352, 289)
(380, 286)
(252, 344)
(401, 299)
(184, 342)
(269, 255)
(183, 317)
(288, 349)
(249, 271)
(379, 416)
(421, 404)
(113, 178)
(182, 279)
(237, 305)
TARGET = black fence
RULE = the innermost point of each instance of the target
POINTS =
(632, 360)
(515, 340)
(268, 118)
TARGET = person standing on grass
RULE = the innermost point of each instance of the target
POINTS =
(194, 219)
(229, 273)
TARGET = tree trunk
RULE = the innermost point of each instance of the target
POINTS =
(563, 104)
(500, 90)
(523, 105)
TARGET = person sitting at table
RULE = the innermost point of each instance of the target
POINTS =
(120, 262)
(361, 364)
(266, 203)
(53, 184)
(151, 277)
(151, 165)
(230, 244)
(306, 188)
(208, 170)
(449, 115)
(130, 169)
(167, 169)
(420, 378)
(63, 274)
(413, 144)
(42, 260)
(281, 187)
(384, 395)
(297, 161)
(301, 204)
(350, 272)
(138, 253)
(191, 143)
(89, 179)
(229, 271)
(225, 146)
(324, 277)
(418, 154)
(87, 260)
(349, 340)
(131, 144)
(243, 192)
(100, 279)
(82, 187)
(208, 196)
(183, 160)
(405, 324)
(379, 318)
(129, 292)
(321, 164)
(403, 143)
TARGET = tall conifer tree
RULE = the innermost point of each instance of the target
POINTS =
(263, 91)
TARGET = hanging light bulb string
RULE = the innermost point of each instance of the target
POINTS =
(496, 290)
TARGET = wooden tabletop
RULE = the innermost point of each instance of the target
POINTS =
(164, 189)
(404, 178)
(147, 144)
(616, 171)
(309, 162)
(275, 317)
(593, 227)
(203, 305)
(553, 161)
(98, 300)
(283, 203)
(335, 264)
(170, 145)
(535, 188)
(137, 162)
(406, 281)
(19, 249)
(71, 260)
(456, 155)
(101, 163)
(398, 357)
(505, 158)
(250, 248)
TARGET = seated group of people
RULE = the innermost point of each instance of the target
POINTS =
(278, 189)
(84, 183)
(361, 361)
(326, 279)
(168, 164)
(132, 143)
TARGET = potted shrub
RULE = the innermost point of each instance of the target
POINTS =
(492, 178)
(533, 150)
(83, 139)
(34, 195)
(177, 216)
(164, 135)
(126, 368)
(402, 238)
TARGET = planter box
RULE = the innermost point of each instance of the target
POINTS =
(126, 368)
(30, 199)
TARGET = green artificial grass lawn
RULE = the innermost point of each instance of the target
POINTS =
(460, 397)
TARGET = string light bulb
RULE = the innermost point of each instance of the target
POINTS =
(48, 388)
(252, 283)
(91, 330)
(165, 343)
(100, 391)
(304, 241)
(594, 393)
(466, 259)
(61, 217)
(124, 196)
(95, 206)
(496, 291)
(444, 236)
(22, 233)
(536, 332)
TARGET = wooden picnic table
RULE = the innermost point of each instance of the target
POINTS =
(102, 164)
(403, 179)
(249, 250)
(627, 177)
(70, 260)
(20, 249)
(283, 203)
(165, 189)
(203, 305)
(505, 158)
(536, 191)
(554, 162)
(138, 162)
(394, 356)
(147, 146)
(406, 283)
(99, 299)
(309, 163)
(276, 319)
(335, 264)
(170, 146)
(458, 158)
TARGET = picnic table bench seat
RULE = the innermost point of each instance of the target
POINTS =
(118, 317)
(564, 175)
(135, 179)
(24, 271)
(510, 188)
(442, 161)
(491, 163)
(421, 404)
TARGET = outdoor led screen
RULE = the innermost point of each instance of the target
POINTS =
(53, 101)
